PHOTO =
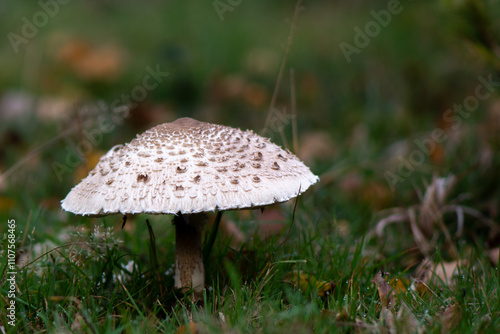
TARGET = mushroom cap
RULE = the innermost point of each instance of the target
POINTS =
(189, 167)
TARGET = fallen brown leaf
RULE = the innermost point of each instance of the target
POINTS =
(399, 284)
(406, 322)
(445, 271)
(420, 288)
(450, 317)
(387, 320)
(402, 285)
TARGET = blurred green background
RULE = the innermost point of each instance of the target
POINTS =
(357, 120)
(409, 120)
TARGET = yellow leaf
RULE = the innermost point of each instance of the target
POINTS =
(191, 328)
(307, 282)
(402, 285)
(399, 284)
(420, 288)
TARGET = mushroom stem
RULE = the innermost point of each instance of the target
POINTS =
(189, 269)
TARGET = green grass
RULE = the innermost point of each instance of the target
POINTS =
(74, 288)
(394, 92)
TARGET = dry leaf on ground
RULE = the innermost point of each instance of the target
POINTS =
(450, 317)
(387, 320)
(406, 322)
(443, 271)
(426, 219)
(385, 291)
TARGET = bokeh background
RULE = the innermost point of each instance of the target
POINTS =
(359, 119)
(354, 118)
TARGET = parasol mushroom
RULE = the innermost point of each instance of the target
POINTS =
(187, 168)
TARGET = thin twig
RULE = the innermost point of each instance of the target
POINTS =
(283, 138)
(211, 240)
(26, 229)
(393, 218)
(152, 241)
(418, 236)
(294, 113)
(124, 221)
(35, 152)
(80, 136)
(293, 219)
